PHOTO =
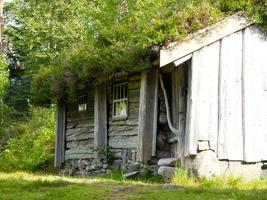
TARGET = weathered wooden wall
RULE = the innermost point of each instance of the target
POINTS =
(122, 134)
(179, 81)
(80, 130)
(227, 101)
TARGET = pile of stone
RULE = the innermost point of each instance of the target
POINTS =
(167, 167)
(264, 171)
(85, 167)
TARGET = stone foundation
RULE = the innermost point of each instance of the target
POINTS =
(85, 167)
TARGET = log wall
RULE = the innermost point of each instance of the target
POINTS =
(122, 134)
(80, 130)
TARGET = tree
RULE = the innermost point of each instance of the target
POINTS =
(66, 45)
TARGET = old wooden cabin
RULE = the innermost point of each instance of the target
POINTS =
(205, 104)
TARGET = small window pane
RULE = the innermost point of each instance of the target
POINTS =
(82, 106)
(120, 100)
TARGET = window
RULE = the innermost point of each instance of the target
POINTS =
(120, 101)
(82, 103)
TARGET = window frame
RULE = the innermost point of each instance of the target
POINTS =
(118, 100)
(84, 104)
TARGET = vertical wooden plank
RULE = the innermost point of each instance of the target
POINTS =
(189, 138)
(255, 95)
(100, 116)
(147, 115)
(230, 136)
(204, 98)
(60, 134)
(155, 112)
(179, 104)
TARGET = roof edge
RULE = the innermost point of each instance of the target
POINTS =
(203, 37)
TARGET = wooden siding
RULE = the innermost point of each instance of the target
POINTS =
(122, 134)
(203, 120)
(60, 134)
(227, 97)
(100, 116)
(80, 130)
(179, 88)
(148, 113)
(230, 143)
(255, 95)
(204, 37)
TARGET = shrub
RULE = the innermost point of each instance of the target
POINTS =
(33, 146)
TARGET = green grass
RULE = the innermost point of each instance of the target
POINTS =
(26, 186)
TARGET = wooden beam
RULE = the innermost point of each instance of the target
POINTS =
(147, 130)
(194, 42)
(100, 116)
(60, 134)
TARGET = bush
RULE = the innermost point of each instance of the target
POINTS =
(33, 146)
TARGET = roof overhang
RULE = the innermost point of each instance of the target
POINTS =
(177, 52)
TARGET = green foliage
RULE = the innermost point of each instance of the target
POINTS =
(3, 74)
(183, 176)
(33, 144)
(104, 152)
(94, 41)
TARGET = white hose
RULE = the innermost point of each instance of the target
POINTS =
(174, 130)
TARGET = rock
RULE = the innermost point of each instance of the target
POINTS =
(162, 118)
(71, 171)
(264, 171)
(99, 166)
(116, 164)
(172, 187)
(133, 166)
(105, 166)
(169, 162)
(166, 172)
(161, 140)
(203, 145)
(206, 165)
(163, 154)
(264, 174)
(87, 168)
(131, 174)
(92, 167)
(154, 168)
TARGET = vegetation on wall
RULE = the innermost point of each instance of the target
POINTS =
(71, 44)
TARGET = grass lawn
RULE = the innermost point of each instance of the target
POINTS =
(25, 186)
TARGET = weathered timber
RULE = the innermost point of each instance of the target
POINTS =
(205, 37)
(80, 129)
(123, 133)
(148, 99)
(82, 136)
(121, 141)
(255, 95)
(203, 99)
(179, 84)
(80, 144)
(230, 98)
(60, 135)
(100, 116)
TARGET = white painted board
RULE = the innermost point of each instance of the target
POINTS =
(230, 137)
(203, 98)
(255, 95)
